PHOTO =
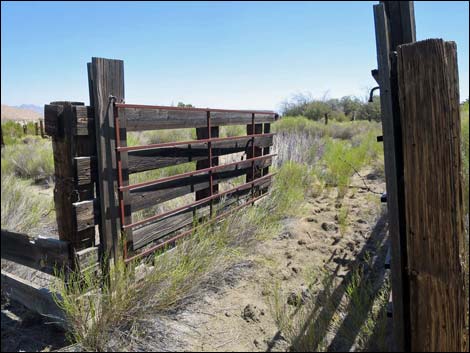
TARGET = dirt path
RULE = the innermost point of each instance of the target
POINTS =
(239, 316)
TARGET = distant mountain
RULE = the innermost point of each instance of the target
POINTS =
(17, 113)
(33, 107)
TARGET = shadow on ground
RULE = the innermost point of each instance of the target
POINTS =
(25, 331)
(321, 331)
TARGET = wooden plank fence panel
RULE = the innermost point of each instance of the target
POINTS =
(150, 195)
(429, 96)
(170, 224)
(154, 158)
(140, 119)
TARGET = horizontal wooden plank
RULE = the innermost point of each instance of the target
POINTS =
(32, 296)
(85, 170)
(139, 119)
(154, 158)
(87, 258)
(148, 196)
(162, 228)
(86, 213)
(44, 254)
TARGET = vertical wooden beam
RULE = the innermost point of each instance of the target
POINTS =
(36, 128)
(107, 85)
(41, 126)
(202, 133)
(394, 25)
(258, 151)
(1, 132)
(429, 107)
(65, 145)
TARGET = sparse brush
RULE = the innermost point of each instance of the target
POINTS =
(30, 160)
(23, 209)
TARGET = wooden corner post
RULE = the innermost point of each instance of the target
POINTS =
(61, 121)
(106, 86)
(394, 25)
(435, 233)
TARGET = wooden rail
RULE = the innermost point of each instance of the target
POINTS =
(44, 254)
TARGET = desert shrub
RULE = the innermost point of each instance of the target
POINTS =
(32, 159)
(23, 209)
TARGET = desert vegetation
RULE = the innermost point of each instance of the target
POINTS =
(315, 160)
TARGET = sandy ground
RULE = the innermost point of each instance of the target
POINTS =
(236, 315)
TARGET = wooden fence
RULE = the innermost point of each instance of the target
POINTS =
(95, 203)
(23, 126)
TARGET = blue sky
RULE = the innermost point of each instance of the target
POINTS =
(211, 54)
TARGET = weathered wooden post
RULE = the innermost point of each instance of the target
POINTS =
(203, 133)
(106, 86)
(41, 126)
(36, 128)
(1, 132)
(67, 124)
(430, 120)
(394, 25)
(253, 151)
(25, 128)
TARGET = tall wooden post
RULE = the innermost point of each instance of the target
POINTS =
(394, 25)
(36, 128)
(41, 127)
(435, 234)
(253, 151)
(106, 83)
(203, 133)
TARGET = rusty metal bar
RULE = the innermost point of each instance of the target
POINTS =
(195, 172)
(180, 143)
(172, 240)
(198, 202)
(138, 106)
(252, 155)
(209, 146)
(119, 171)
